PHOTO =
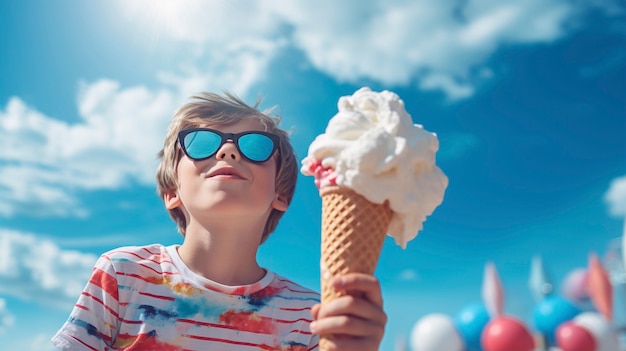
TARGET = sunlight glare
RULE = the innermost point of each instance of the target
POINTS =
(186, 21)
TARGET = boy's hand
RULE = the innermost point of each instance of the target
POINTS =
(355, 321)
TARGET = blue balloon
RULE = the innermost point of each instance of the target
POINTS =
(551, 312)
(470, 323)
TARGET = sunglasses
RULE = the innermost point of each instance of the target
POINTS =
(202, 143)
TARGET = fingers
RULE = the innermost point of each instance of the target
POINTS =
(352, 306)
(355, 320)
(350, 325)
(360, 284)
(343, 343)
(315, 311)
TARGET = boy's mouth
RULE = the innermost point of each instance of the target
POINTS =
(225, 172)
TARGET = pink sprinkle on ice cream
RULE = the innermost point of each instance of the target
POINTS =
(324, 176)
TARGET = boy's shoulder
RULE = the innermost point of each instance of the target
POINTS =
(155, 253)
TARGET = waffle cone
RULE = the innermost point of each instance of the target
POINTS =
(353, 232)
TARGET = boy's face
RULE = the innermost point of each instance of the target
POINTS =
(227, 184)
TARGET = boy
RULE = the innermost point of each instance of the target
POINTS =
(226, 176)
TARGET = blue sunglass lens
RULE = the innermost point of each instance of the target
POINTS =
(256, 147)
(201, 144)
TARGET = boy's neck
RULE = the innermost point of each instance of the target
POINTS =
(223, 255)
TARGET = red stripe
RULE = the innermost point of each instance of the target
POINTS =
(136, 255)
(263, 347)
(294, 321)
(81, 307)
(98, 300)
(84, 344)
(106, 282)
(233, 342)
(149, 257)
(168, 298)
(290, 283)
(151, 279)
(293, 309)
(216, 325)
(157, 271)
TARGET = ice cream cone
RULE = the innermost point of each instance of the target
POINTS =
(353, 232)
(371, 149)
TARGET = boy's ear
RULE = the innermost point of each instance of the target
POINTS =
(171, 199)
(280, 203)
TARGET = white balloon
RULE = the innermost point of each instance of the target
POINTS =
(436, 332)
(600, 328)
(492, 292)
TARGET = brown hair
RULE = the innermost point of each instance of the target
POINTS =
(210, 109)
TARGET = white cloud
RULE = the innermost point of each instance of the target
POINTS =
(201, 21)
(45, 161)
(615, 197)
(38, 342)
(6, 318)
(439, 45)
(34, 268)
(227, 44)
(232, 66)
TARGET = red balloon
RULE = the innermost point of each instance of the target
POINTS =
(506, 333)
(573, 337)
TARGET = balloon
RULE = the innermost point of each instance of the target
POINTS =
(600, 288)
(573, 337)
(600, 328)
(492, 293)
(575, 285)
(539, 282)
(506, 333)
(436, 332)
(550, 313)
(470, 322)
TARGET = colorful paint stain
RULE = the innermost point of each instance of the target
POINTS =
(261, 297)
(142, 342)
(90, 328)
(248, 321)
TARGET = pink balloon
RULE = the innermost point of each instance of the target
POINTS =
(573, 337)
(506, 333)
(575, 285)
(600, 289)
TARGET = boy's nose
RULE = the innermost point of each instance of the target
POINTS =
(228, 151)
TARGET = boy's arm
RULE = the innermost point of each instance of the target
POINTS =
(356, 321)
(93, 322)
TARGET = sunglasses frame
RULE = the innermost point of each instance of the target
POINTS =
(234, 137)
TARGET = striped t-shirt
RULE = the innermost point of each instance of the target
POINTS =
(146, 298)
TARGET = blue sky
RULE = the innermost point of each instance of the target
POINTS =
(528, 99)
